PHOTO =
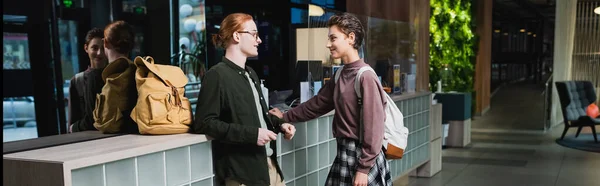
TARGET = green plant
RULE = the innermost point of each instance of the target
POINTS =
(452, 44)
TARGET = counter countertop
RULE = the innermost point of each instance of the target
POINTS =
(99, 151)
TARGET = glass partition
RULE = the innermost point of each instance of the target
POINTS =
(388, 47)
(191, 56)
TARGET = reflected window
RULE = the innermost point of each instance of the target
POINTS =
(67, 34)
(134, 6)
(191, 56)
(16, 51)
(71, 3)
(299, 16)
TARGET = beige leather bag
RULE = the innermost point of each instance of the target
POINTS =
(161, 106)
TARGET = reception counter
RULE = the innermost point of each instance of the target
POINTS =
(186, 159)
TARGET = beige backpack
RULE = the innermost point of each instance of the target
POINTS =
(161, 106)
(118, 97)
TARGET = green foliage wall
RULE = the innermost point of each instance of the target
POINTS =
(452, 44)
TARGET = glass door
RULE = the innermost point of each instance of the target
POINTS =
(19, 121)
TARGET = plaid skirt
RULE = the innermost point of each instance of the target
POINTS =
(346, 163)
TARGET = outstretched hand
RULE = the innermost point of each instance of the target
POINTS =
(276, 112)
(288, 130)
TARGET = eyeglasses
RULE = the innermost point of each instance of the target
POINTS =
(253, 33)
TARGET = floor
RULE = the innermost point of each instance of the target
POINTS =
(514, 159)
(509, 147)
(518, 106)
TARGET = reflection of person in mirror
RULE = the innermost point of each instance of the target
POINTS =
(357, 163)
(85, 85)
(231, 110)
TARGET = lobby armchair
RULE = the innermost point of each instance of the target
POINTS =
(574, 97)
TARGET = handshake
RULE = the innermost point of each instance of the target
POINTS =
(265, 136)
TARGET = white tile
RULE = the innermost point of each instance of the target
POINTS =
(88, 176)
(324, 128)
(206, 182)
(178, 166)
(300, 162)
(312, 132)
(300, 137)
(201, 157)
(313, 158)
(120, 173)
(151, 170)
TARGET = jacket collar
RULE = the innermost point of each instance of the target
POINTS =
(233, 65)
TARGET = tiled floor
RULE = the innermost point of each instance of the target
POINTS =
(501, 162)
(518, 106)
(509, 148)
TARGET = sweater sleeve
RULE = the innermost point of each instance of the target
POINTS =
(314, 107)
(373, 120)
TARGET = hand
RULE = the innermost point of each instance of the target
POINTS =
(71, 128)
(265, 136)
(276, 112)
(288, 130)
(360, 179)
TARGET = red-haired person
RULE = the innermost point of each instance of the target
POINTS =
(232, 110)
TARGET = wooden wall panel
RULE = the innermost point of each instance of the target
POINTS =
(484, 56)
(420, 18)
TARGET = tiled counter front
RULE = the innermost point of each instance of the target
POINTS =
(186, 159)
(306, 159)
(188, 165)
(127, 160)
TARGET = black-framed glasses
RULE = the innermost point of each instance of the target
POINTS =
(253, 33)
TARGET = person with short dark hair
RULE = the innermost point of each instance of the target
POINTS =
(357, 163)
(85, 85)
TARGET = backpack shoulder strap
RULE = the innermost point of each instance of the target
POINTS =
(79, 83)
(359, 94)
(357, 81)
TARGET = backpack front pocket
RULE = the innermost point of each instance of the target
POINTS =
(185, 113)
(159, 107)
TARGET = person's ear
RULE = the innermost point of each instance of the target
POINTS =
(105, 43)
(85, 47)
(236, 37)
(351, 38)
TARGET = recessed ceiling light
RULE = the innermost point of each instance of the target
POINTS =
(597, 10)
(522, 30)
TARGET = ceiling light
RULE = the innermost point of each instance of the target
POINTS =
(497, 31)
(528, 33)
(534, 35)
(522, 30)
(314, 10)
(597, 10)
(505, 33)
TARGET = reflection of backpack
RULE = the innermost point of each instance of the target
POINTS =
(161, 106)
(117, 98)
(396, 135)
(79, 83)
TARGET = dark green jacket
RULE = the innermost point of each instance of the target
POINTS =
(226, 111)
